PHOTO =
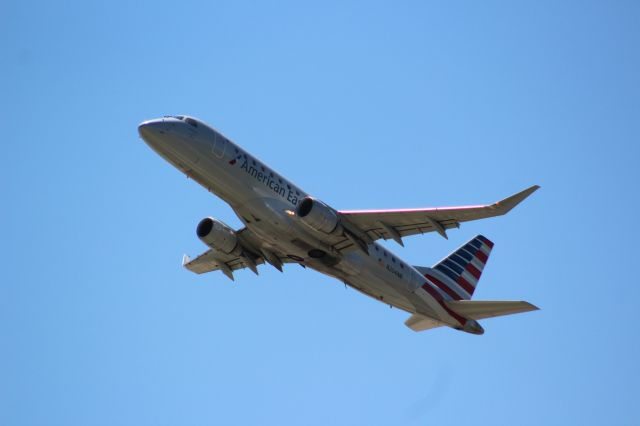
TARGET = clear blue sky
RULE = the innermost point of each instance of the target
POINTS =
(365, 105)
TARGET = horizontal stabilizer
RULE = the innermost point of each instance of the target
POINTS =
(479, 309)
(418, 322)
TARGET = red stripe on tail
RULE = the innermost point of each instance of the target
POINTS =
(465, 284)
(473, 271)
(433, 293)
(481, 256)
(444, 287)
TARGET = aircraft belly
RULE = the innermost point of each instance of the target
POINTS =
(384, 294)
(379, 283)
(267, 219)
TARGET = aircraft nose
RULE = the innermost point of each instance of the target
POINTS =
(150, 128)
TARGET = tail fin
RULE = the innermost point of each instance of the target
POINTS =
(457, 275)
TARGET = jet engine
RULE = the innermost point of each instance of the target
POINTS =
(318, 216)
(218, 235)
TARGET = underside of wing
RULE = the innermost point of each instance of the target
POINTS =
(213, 260)
(394, 224)
(253, 255)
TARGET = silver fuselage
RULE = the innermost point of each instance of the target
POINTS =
(265, 201)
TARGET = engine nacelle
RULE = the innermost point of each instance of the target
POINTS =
(218, 235)
(318, 216)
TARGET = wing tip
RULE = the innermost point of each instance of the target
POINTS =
(507, 204)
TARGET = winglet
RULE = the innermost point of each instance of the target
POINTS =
(185, 259)
(504, 206)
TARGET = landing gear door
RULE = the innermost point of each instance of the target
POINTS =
(219, 145)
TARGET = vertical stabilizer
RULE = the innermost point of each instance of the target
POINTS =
(457, 275)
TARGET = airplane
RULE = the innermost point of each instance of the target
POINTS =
(283, 224)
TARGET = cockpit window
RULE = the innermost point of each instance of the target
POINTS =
(191, 121)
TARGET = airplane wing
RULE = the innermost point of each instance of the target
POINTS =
(394, 224)
(212, 260)
(215, 260)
